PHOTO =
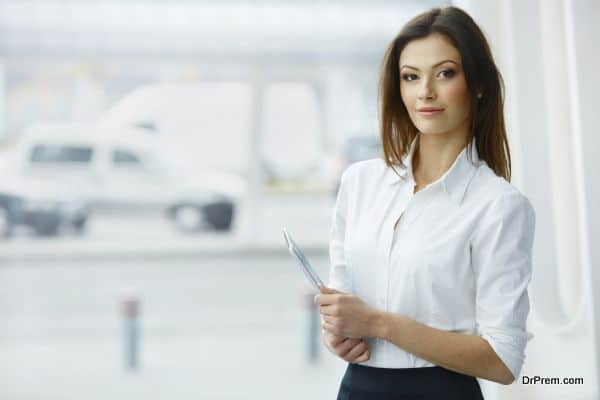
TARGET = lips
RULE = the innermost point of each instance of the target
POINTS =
(429, 109)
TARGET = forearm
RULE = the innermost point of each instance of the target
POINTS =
(466, 354)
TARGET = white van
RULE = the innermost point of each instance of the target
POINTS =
(123, 169)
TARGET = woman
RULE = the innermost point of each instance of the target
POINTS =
(431, 245)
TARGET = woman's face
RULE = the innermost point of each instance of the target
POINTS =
(433, 86)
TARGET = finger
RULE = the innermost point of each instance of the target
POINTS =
(338, 337)
(325, 299)
(346, 346)
(361, 350)
(327, 290)
(328, 310)
(349, 342)
(331, 328)
(322, 317)
(342, 349)
(363, 357)
(334, 340)
(330, 321)
(323, 331)
(356, 351)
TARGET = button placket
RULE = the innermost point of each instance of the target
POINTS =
(418, 203)
(398, 215)
(388, 236)
(414, 206)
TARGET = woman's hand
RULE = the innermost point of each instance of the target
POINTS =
(343, 314)
(350, 350)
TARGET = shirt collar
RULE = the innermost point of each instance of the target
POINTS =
(454, 181)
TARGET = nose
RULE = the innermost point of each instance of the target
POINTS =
(426, 91)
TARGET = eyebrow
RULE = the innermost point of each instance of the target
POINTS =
(435, 65)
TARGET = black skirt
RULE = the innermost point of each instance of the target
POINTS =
(362, 382)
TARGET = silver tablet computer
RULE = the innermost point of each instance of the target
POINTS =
(302, 261)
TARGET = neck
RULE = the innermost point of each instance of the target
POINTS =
(434, 155)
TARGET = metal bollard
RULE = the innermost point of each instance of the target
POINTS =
(130, 308)
(313, 326)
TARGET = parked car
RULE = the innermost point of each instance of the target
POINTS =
(123, 170)
(361, 147)
(40, 206)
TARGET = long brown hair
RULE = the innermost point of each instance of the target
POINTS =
(482, 76)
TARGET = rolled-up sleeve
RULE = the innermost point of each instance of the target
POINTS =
(501, 255)
(339, 277)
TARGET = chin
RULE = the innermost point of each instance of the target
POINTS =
(428, 130)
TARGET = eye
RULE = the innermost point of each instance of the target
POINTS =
(447, 73)
(409, 77)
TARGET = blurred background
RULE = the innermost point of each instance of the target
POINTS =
(151, 151)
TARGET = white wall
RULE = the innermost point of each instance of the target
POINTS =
(583, 35)
(547, 52)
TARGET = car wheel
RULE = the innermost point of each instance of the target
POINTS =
(47, 229)
(188, 218)
(219, 215)
(6, 225)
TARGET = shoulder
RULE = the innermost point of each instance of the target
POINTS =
(366, 169)
(497, 196)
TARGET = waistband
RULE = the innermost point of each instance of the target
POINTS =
(425, 381)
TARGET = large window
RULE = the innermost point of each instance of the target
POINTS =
(291, 143)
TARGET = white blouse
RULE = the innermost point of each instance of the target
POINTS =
(458, 260)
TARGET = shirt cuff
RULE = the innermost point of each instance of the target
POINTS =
(509, 345)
